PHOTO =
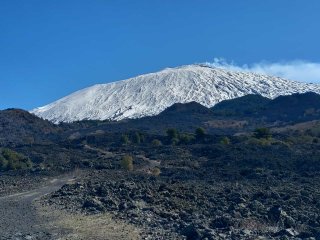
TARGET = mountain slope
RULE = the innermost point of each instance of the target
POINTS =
(296, 107)
(241, 106)
(20, 127)
(149, 94)
(186, 108)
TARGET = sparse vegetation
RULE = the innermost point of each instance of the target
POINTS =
(173, 136)
(3, 163)
(174, 141)
(200, 134)
(228, 171)
(127, 162)
(225, 141)
(124, 139)
(136, 138)
(262, 133)
(156, 143)
(172, 133)
(186, 138)
(155, 171)
(11, 160)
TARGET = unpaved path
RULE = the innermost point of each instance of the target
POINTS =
(23, 217)
(19, 218)
(104, 153)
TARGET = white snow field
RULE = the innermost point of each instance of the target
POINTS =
(150, 94)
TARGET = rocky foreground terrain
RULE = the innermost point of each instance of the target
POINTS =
(172, 209)
(231, 172)
(210, 197)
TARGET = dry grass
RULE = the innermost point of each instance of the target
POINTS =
(97, 227)
(257, 225)
(79, 226)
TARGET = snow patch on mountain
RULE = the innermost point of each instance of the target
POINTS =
(149, 94)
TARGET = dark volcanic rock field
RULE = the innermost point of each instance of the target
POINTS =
(270, 207)
(249, 172)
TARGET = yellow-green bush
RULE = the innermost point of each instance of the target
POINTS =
(155, 171)
(156, 143)
(11, 160)
(127, 162)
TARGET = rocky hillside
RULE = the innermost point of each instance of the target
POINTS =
(228, 117)
(295, 107)
(20, 127)
(190, 172)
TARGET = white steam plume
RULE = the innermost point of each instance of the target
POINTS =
(298, 70)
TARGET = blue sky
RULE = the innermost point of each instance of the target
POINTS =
(49, 49)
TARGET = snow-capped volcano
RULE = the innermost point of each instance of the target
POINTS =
(150, 94)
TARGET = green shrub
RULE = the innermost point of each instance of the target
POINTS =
(3, 163)
(136, 138)
(142, 137)
(124, 139)
(156, 143)
(155, 171)
(200, 133)
(174, 141)
(11, 160)
(172, 133)
(186, 138)
(127, 162)
(262, 133)
(225, 141)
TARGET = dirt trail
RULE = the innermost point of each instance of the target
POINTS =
(19, 218)
(22, 217)
(104, 153)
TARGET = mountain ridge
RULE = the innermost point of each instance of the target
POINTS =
(150, 94)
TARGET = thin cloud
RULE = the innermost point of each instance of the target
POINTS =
(299, 70)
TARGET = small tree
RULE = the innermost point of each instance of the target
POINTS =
(127, 162)
(136, 138)
(124, 139)
(262, 133)
(12, 165)
(172, 133)
(142, 137)
(200, 133)
(174, 141)
(225, 141)
(173, 136)
(186, 138)
(3, 163)
(156, 143)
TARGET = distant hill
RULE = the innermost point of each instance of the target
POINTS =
(243, 106)
(296, 107)
(228, 117)
(183, 116)
(186, 108)
(20, 127)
